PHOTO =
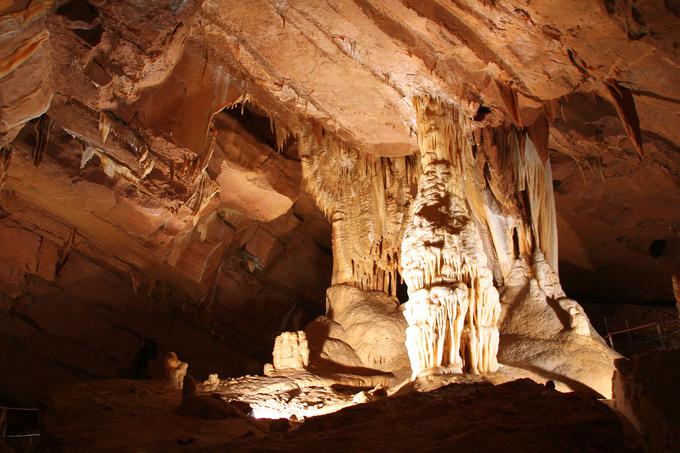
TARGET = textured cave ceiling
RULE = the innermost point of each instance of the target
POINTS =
(149, 149)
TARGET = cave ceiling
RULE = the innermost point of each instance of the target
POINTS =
(154, 133)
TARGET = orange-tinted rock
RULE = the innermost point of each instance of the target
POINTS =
(25, 86)
(254, 179)
(148, 192)
(302, 267)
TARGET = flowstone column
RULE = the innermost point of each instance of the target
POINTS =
(453, 307)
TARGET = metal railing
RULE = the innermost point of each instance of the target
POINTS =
(4, 416)
(661, 332)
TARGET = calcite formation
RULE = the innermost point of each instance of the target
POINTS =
(366, 198)
(291, 351)
(167, 166)
(456, 223)
(453, 306)
(371, 323)
(175, 370)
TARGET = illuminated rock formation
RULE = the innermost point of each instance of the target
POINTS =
(160, 163)
(472, 217)
(366, 198)
(453, 304)
(371, 323)
(291, 351)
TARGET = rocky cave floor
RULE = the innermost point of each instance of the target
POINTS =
(493, 413)
(518, 416)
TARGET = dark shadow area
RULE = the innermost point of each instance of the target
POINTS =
(402, 289)
(255, 122)
(657, 248)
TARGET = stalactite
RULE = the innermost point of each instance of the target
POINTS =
(541, 203)
(104, 126)
(453, 306)
(87, 155)
(282, 134)
(508, 185)
(206, 188)
(199, 165)
(365, 198)
(146, 164)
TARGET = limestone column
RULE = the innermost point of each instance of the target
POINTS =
(453, 307)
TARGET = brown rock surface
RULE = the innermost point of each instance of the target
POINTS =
(646, 392)
(516, 416)
(152, 154)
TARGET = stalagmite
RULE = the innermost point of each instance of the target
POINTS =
(291, 351)
(453, 307)
(212, 383)
(175, 370)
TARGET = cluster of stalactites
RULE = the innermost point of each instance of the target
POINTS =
(508, 186)
(333, 170)
(385, 279)
(453, 307)
(365, 198)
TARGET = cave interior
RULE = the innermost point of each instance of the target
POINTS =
(339, 224)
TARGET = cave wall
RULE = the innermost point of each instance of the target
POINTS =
(158, 144)
(71, 311)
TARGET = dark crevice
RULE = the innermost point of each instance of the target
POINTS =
(637, 15)
(402, 289)
(657, 248)
(515, 244)
(256, 124)
(673, 6)
(610, 6)
(481, 113)
(78, 10)
(93, 36)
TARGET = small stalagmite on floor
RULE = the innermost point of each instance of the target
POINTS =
(175, 370)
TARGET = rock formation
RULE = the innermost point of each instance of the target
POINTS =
(453, 306)
(220, 169)
(291, 351)
(175, 370)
